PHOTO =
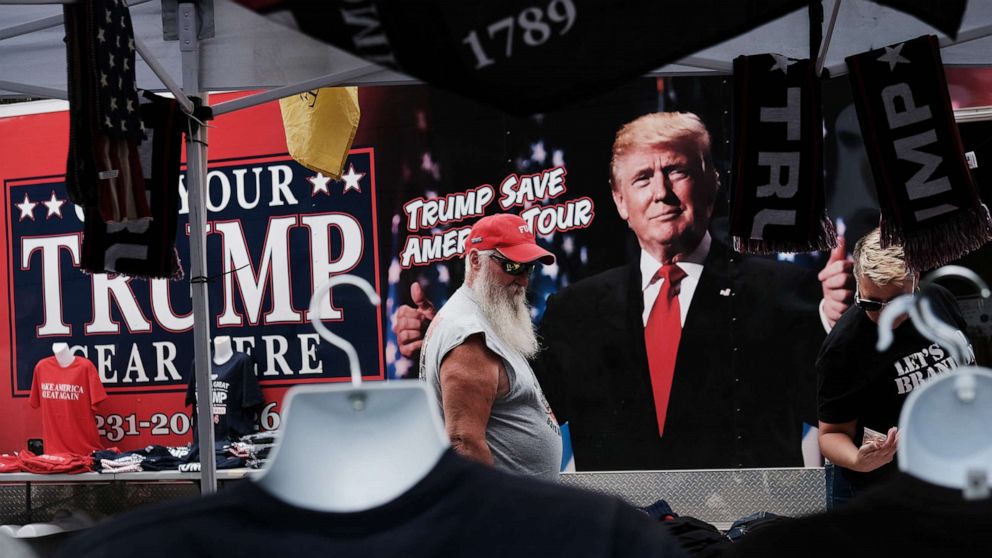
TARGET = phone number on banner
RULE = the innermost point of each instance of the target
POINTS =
(116, 427)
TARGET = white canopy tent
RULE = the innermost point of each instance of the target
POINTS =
(249, 51)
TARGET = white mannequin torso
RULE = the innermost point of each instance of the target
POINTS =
(62, 354)
(944, 432)
(366, 457)
(222, 349)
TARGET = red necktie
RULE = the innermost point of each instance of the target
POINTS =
(661, 337)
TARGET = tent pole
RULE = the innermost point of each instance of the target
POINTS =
(963, 37)
(34, 90)
(287, 90)
(706, 64)
(196, 180)
(42, 23)
(37, 2)
(825, 43)
(966, 36)
(163, 75)
(30, 27)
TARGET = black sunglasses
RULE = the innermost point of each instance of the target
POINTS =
(869, 305)
(514, 268)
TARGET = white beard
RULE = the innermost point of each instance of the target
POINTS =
(508, 313)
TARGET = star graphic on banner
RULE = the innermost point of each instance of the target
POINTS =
(781, 63)
(892, 56)
(537, 152)
(352, 180)
(318, 183)
(426, 162)
(99, 35)
(54, 205)
(27, 208)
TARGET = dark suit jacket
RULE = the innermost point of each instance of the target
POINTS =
(744, 380)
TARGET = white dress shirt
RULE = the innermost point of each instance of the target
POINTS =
(692, 265)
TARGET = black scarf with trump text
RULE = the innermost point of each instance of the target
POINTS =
(777, 202)
(927, 195)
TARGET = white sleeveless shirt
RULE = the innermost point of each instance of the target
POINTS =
(522, 433)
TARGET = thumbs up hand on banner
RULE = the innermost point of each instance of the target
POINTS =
(411, 322)
(837, 280)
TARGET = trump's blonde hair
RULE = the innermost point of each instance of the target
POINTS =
(664, 128)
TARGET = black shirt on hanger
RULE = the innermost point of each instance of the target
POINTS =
(903, 517)
(460, 509)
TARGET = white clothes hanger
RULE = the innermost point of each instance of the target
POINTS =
(921, 314)
(945, 423)
(352, 447)
(945, 429)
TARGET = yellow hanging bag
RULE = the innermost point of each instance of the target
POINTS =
(320, 125)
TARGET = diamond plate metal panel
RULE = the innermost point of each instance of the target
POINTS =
(719, 497)
(12, 497)
(716, 496)
(97, 499)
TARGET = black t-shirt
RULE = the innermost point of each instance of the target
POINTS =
(236, 396)
(460, 509)
(858, 383)
(902, 517)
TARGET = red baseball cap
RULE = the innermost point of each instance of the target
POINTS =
(510, 235)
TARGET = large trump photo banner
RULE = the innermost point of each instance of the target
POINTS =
(423, 167)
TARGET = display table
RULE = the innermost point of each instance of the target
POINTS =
(141, 476)
(28, 497)
(717, 496)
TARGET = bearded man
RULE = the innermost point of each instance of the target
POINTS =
(476, 351)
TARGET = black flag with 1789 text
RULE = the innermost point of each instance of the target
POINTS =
(526, 56)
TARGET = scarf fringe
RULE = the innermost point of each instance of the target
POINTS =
(939, 245)
(825, 238)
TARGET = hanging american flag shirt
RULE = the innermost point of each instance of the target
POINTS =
(117, 95)
(103, 169)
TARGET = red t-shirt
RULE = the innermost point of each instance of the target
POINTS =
(48, 464)
(9, 464)
(67, 397)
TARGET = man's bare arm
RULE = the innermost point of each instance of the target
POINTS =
(472, 377)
